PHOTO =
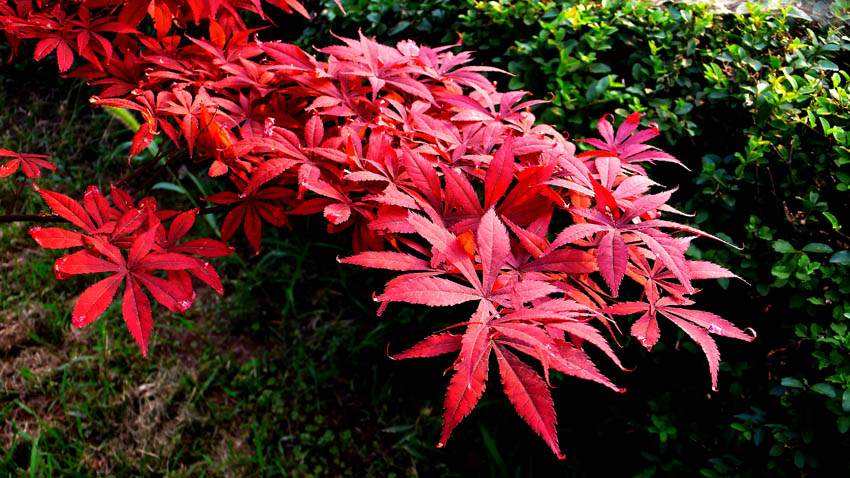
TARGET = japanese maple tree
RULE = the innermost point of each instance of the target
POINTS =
(436, 174)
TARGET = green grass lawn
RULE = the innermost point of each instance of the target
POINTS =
(230, 389)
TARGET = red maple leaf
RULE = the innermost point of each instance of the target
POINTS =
(136, 271)
(263, 203)
(28, 163)
(697, 324)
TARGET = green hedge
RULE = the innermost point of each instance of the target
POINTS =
(757, 105)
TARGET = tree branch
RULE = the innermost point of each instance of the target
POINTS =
(48, 218)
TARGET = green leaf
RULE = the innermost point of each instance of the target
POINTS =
(600, 68)
(825, 389)
(845, 401)
(35, 457)
(843, 424)
(799, 459)
(753, 63)
(124, 116)
(817, 247)
(400, 27)
(170, 187)
(840, 257)
(718, 94)
(795, 12)
(783, 246)
(597, 87)
(832, 220)
(791, 382)
(828, 65)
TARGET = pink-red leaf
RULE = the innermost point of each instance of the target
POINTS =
(337, 213)
(67, 208)
(168, 261)
(612, 258)
(590, 334)
(181, 225)
(94, 300)
(422, 173)
(204, 247)
(573, 361)
(253, 228)
(705, 341)
(432, 346)
(56, 237)
(137, 314)
(708, 270)
(494, 247)
(604, 199)
(207, 274)
(82, 262)
(394, 261)
(269, 170)
(712, 322)
(530, 397)
(433, 291)
(500, 174)
(463, 394)
(314, 131)
(645, 330)
(574, 233)
(167, 293)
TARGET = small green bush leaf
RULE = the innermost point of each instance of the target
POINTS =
(828, 65)
(817, 247)
(825, 389)
(795, 12)
(783, 246)
(840, 257)
(597, 87)
(843, 424)
(832, 220)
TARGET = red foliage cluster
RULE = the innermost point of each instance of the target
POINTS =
(436, 173)
(151, 247)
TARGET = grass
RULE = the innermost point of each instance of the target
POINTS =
(230, 389)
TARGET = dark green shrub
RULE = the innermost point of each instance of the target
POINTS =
(763, 98)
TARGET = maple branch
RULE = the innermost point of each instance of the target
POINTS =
(147, 164)
(43, 218)
(158, 171)
(30, 218)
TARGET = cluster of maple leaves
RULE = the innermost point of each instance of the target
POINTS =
(436, 173)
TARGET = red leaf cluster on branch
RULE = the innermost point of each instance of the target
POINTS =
(137, 229)
(436, 173)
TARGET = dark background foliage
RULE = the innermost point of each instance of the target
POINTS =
(756, 105)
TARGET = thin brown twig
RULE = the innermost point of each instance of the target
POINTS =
(17, 196)
(161, 169)
(147, 164)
